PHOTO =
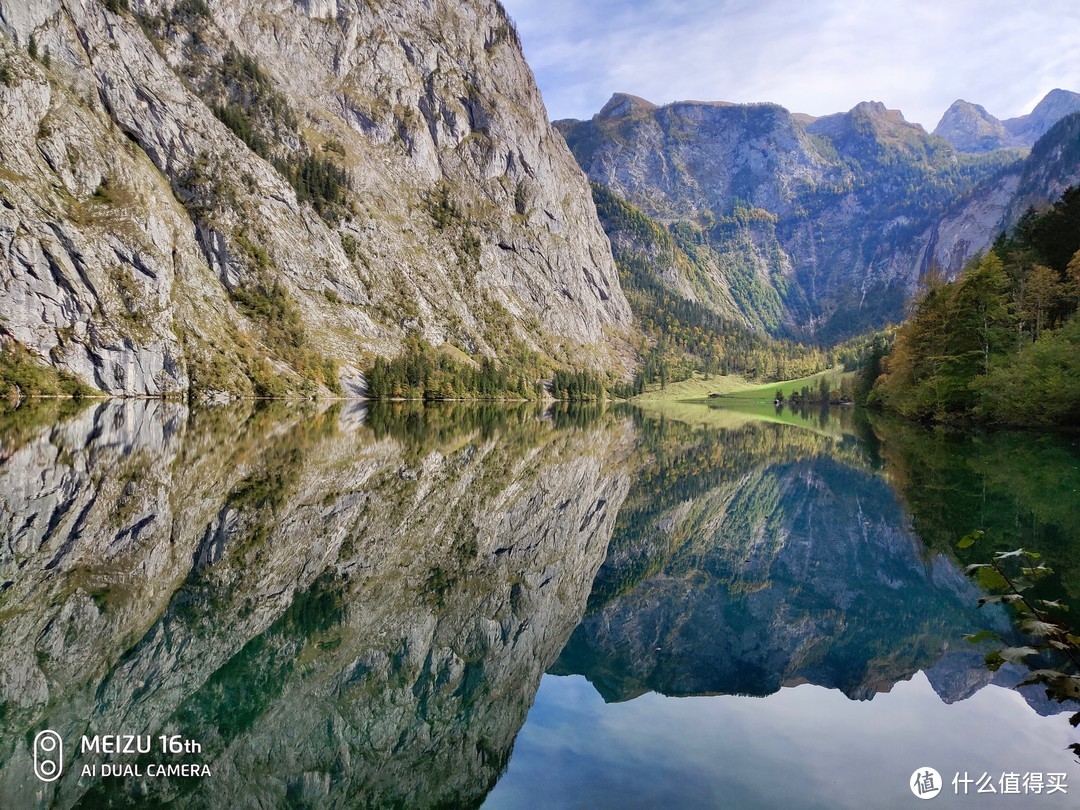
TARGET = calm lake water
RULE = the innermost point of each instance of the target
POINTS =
(400, 606)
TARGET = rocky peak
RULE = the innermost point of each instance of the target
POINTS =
(868, 118)
(624, 105)
(881, 116)
(1054, 106)
(875, 110)
(970, 128)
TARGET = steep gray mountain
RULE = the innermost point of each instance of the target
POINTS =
(815, 228)
(258, 197)
(821, 210)
(970, 128)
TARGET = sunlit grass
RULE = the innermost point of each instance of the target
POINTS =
(733, 386)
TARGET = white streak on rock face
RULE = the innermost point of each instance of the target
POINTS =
(129, 211)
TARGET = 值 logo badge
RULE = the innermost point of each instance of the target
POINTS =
(925, 783)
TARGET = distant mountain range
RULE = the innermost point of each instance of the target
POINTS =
(819, 228)
(970, 128)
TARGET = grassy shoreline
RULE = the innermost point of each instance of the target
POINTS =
(734, 387)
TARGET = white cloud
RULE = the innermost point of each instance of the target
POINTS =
(815, 57)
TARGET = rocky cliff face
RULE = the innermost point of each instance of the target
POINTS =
(826, 224)
(385, 603)
(973, 223)
(182, 178)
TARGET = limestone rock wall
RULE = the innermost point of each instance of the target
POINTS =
(144, 237)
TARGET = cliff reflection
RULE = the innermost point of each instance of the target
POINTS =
(343, 607)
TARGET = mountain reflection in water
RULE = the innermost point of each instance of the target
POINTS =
(753, 556)
(354, 606)
(340, 614)
(774, 557)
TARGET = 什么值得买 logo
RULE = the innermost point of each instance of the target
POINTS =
(925, 783)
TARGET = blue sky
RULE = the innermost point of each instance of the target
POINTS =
(815, 56)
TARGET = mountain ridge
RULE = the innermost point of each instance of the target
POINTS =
(850, 206)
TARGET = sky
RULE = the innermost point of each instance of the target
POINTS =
(814, 56)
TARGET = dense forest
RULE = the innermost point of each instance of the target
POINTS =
(423, 372)
(677, 336)
(684, 336)
(1001, 344)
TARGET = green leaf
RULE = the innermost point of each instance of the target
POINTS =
(968, 540)
(1020, 584)
(982, 635)
(994, 660)
(990, 579)
(1056, 605)
(971, 569)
